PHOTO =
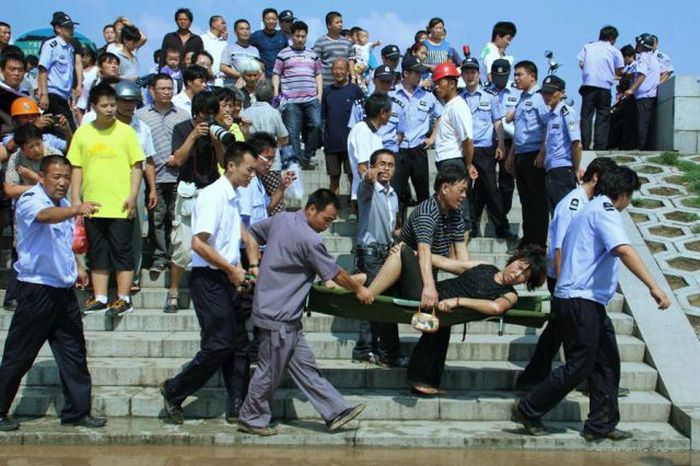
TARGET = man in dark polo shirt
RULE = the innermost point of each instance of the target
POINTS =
(183, 39)
(436, 226)
(269, 41)
(336, 105)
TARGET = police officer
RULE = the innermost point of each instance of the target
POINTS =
(568, 208)
(593, 246)
(393, 132)
(646, 79)
(508, 96)
(47, 308)
(601, 62)
(390, 57)
(562, 144)
(420, 108)
(214, 282)
(487, 113)
(665, 64)
(527, 155)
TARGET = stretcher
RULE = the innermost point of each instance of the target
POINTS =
(342, 303)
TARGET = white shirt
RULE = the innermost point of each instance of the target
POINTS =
(215, 46)
(89, 78)
(183, 101)
(455, 128)
(489, 54)
(217, 212)
(564, 213)
(362, 142)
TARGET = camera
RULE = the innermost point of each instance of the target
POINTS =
(219, 132)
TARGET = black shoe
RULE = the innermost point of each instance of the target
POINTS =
(615, 435)
(7, 424)
(401, 362)
(533, 426)
(93, 306)
(171, 304)
(233, 409)
(10, 306)
(346, 416)
(621, 391)
(172, 410)
(119, 307)
(86, 421)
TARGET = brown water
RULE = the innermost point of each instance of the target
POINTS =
(292, 456)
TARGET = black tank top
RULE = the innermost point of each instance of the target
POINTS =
(475, 283)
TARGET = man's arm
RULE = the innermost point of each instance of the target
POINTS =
(252, 250)
(229, 71)
(61, 214)
(429, 296)
(500, 136)
(635, 85)
(76, 185)
(319, 87)
(150, 172)
(453, 266)
(576, 151)
(182, 153)
(130, 202)
(461, 252)
(433, 134)
(633, 262)
(235, 273)
(276, 83)
(468, 154)
(43, 88)
(361, 293)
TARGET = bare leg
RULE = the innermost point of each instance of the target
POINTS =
(100, 282)
(388, 274)
(359, 278)
(125, 279)
(176, 274)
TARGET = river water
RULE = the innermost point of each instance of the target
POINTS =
(293, 456)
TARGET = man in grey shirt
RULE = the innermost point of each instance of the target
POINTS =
(378, 206)
(294, 255)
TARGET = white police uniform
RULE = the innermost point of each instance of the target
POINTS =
(216, 303)
(587, 282)
(47, 308)
(562, 131)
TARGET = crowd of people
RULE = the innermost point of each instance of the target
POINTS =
(207, 145)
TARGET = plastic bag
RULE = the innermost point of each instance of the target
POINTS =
(80, 240)
(296, 189)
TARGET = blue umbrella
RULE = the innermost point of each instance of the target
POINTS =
(30, 42)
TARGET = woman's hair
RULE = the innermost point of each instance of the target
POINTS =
(536, 258)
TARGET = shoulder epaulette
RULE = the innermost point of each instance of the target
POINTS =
(608, 206)
(489, 90)
(573, 205)
(564, 110)
(395, 100)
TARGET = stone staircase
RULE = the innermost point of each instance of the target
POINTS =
(130, 357)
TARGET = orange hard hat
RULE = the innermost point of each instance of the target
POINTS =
(445, 70)
(24, 106)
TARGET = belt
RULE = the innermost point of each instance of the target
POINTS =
(375, 250)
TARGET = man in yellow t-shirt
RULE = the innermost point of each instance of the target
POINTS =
(107, 168)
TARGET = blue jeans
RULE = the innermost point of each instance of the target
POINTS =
(303, 118)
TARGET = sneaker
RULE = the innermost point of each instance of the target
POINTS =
(7, 424)
(533, 426)
(615, 435)
(119, 307)
(172, 411)
(368, 357)
(86, 421)
(261, 431)
(93, 306)
(346, 416)
(171, 306)
(400, 362)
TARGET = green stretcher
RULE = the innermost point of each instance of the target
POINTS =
(342, 303)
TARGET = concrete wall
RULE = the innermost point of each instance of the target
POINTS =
(678, 115)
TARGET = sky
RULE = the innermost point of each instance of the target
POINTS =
(562, 26)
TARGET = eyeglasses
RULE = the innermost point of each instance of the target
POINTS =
(266, 159)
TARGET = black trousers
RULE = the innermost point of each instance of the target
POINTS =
(45, 313)
(591, 354)
(379, 338)
(560, 181)
(533, 199)
(645, 115)
(464, 208)
(623, 126)
(506, 181)
(595, 101)
(485, 192)
(60, 106)
(547, 347)
(11, 286)
(223, 347)
(411, 163)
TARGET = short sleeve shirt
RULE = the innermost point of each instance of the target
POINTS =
(201, 167)
(18, 158)
(233, 54)
(648, 65)
(420, 108)
(336, 105)
(530, 121)
(388, 132)
(297, 70)
(600, 60)
(57, 57)
(362, 142)
(329, 50)
(567, 209)
(269, 46)
(128, 66)
(427, 224)
(486, 110)
(44, 250)
(588, 266)
(562, 130)
(455, 127)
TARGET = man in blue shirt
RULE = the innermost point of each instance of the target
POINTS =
(487, 114)
(508, 96)
(594, 245)
(269, 41)
(562, 143)
(527, 155)
(601, 63)
(47, 307)
(646, 80)
(420, 109)
(56, 66)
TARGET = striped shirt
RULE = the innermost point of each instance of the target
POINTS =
(328, 50)
(427, 224)
(297, 70)
(162, 131)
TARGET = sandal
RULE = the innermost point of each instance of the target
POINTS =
(426, 390)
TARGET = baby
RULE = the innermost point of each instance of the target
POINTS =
(364, 60)
(172, 67)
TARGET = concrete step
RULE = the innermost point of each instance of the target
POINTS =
(381, 404)
(327, 346)
(459, 375)
(505, 435)
(154, 320)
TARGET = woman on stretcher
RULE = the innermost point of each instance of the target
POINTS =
(478, 286)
